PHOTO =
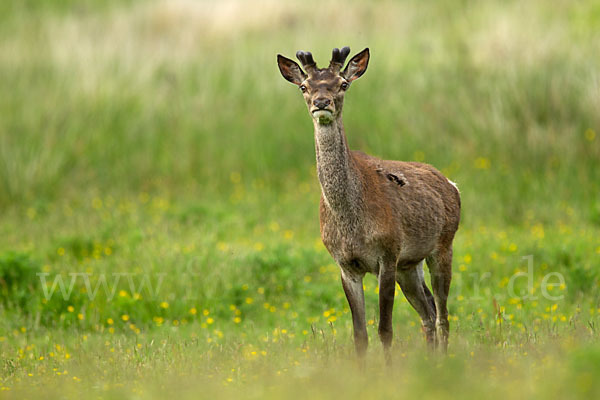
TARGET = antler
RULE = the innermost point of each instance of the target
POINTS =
(307, 60)
(338, 58)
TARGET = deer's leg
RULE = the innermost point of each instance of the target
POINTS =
(387, 287)
(440, 267)
(429, 297)
(353, 287)
(412, 284)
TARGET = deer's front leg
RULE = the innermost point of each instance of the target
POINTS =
(387, 287)
(353, 287)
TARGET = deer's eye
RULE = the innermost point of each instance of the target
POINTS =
(303, 88)
(344, 85)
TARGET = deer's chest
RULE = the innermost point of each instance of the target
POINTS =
(350, 244)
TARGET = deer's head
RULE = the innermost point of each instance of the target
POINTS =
(324, 88)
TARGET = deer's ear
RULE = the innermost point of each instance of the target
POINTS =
(357, 66)
(290, 70)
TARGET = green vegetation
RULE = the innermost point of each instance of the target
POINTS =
(159, 228)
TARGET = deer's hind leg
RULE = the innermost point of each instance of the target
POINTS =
(440, 267)
(411, 281)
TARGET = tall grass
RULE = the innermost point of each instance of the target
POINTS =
(493, 94)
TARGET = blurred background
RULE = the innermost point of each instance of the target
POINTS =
(158, 139)
(174, 96)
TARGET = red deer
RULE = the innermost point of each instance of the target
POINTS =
(378, 216)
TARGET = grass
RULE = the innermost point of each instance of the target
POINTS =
(152, 156)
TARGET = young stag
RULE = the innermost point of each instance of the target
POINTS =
(377, 216)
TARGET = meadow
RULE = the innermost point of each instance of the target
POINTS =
(159, 230)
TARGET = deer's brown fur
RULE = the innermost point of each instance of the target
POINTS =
(378, 216)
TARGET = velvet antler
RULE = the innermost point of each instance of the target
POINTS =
(338, 58)
(307, 61)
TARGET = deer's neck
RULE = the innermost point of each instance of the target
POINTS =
(338, 175)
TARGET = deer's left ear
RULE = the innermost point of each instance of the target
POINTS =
(357, 66)
(290, 70)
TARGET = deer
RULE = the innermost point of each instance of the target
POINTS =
(377, 216)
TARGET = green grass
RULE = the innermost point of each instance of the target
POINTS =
(156, 143)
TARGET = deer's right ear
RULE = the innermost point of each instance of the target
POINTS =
(290, 70)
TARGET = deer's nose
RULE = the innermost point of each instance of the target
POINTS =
(321, 102)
